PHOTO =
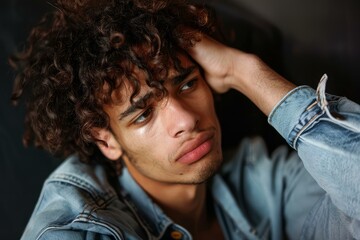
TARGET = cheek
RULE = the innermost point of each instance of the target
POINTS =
(141, 142)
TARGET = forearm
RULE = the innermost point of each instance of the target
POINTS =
(262, 85)
(328, 147)
(226, 68)
(326, 133)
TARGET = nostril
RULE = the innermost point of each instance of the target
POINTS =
(180, 118)
(179, 133)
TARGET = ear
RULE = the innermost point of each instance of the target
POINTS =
(107, 143)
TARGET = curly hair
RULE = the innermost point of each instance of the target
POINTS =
(84, 45)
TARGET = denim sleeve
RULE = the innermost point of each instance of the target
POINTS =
(74, 235)
(325, 131)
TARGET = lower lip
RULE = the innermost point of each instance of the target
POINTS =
(197, 153)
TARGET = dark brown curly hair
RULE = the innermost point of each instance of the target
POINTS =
(84, 45)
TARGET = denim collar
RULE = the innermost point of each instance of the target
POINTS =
(156, 221)
(224, 198)
(149, 213)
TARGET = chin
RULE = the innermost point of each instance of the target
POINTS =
(207, 171)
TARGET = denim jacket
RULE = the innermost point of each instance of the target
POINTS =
(313, 193)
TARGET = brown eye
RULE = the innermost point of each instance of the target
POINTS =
(188, 85)
(144, 116)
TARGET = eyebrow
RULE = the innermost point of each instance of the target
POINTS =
(141, 102)
(183, 75)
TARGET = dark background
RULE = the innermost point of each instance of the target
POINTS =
(300, 39)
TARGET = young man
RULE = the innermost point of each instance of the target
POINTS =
(123, 90)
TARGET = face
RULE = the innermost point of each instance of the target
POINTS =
(174, 140)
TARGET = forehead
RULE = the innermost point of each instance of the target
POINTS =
(140, 78)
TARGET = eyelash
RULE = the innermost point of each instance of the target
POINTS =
(148, 111)
(193, 81)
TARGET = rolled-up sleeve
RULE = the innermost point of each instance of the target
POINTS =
(325, 131)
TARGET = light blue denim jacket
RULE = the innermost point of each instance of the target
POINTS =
(255, 195)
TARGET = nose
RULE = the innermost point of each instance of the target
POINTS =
(180, 117)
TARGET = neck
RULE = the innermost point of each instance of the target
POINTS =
(185, 204)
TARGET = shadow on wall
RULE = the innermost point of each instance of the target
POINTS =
(238, 116)
(316, 37)
(300, 40)
(281, 36)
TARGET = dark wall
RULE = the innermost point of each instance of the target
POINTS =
(22, 171)
(316, 37)
(300, 39)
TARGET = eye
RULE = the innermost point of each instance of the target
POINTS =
(144, 116)
(188, 85)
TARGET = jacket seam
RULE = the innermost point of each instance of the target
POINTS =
(78, 182)
(89, 218)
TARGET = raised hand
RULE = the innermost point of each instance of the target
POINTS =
(217, 61)
(227, 68)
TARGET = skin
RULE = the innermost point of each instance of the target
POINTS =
(171, 147)
(172, 123)
(228, 68)
(151, 149)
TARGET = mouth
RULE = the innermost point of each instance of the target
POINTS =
(197, 148)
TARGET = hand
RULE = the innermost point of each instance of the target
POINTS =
(217, 61)
(226, 68)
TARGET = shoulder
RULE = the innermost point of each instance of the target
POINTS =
(76, 197)
(251, 164)
(252, 152)
(94, 179)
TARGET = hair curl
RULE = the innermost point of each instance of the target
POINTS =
(84, 45)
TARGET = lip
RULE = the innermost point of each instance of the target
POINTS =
(195, 149)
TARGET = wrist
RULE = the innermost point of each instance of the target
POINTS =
(262, 85)
(244, 67)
